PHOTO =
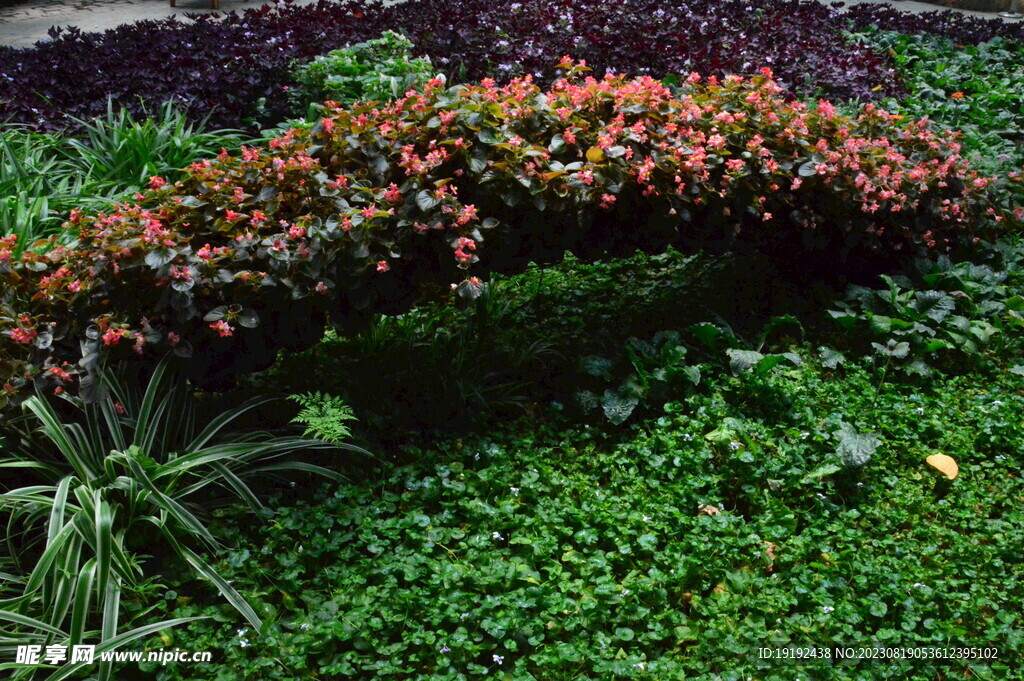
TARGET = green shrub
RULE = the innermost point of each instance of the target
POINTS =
(434, 368)
(379, 69)
(373, 208)
(119, 153)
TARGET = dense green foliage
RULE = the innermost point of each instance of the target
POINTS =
(693, 411)
(681, 546)
(103, 487)
(976, 89)
(378, 69)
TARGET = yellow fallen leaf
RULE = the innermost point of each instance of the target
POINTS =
(595, 154)
(944, 464)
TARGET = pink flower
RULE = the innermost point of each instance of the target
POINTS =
(155, 182)
(113, 336)
(468, 214)
(383, 266)
(392, 194)
(20, 335)
(222, 328)
(59, 373)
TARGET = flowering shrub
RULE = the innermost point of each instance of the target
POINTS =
(240, 67)
(371, 207)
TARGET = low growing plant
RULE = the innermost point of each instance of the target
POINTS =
(378, 69)
(951, 312)
(672, 549)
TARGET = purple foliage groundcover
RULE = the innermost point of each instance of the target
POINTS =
(961, 28)
(224, 67)
(236, 68)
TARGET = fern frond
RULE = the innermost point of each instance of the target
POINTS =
(324, 416)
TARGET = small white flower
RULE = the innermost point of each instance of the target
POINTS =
(639, 665)
(243, 631)
(804, 436)
(445, 648)
(515, 490)
(625, 592)
(243, 643)
(304, 627)
(646, 518)
(997, 403)
(463, 616)
(735, 445)
(498, 659)
(827, 609)
(687, 437)
(496, 535)
(919, 585)
(1000, 457)
(920, 411)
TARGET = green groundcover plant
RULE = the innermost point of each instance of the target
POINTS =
(374, 207)
(378, 69)
(788, 509)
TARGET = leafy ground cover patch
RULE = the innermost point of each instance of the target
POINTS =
(732, 522)
(964, 30)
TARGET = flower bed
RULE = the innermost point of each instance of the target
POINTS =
(238, 68)
(371, 207)
(953, 25)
